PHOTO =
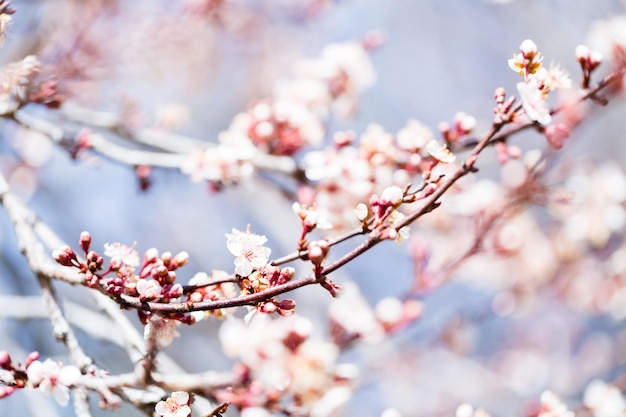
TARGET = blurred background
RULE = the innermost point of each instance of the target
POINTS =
(438, 58)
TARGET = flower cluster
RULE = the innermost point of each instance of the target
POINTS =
(281, 360)
(346, 174)
(53, 379)
(538, 81)
(291, 119)
(155, 280)
(174, 406)
(205, 287)
(249, 252)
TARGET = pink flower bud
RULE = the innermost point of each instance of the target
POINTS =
(318, 251)
(116, 263)
(166, 258)
(286, 274)
(85, 241)
(176, 291)
(286, 307)
(556, 135)
(151, 255)
(181, 258)
(32, 357)
(582, 53)
(65, 256)
(528, 49)
(5, 360)
(6, 391)
(500, 95)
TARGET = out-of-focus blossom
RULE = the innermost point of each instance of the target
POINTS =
(553, 78)
(440, 152)
(211, 292)
(163, 330)
(149, 289)
(467, 410)
(391, 412)
(175, 406)
(226, 163)
(534, 101)
(172, 116)
(414, 135)
(608, 37)
(556, 135)
(312, 217)
(126, 254)
(353, 316)
(53, 379)
(552, 406)
(16, 81)
(282, 356)
(604, 400)
(249, 251)
(393, 194)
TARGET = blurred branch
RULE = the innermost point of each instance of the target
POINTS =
(61, 328)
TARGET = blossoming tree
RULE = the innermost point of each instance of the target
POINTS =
(544, 238)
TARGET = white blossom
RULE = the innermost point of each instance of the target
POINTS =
(127, 254)
(163, 330)
(249, 251)
(534, 101)
(174, 406)
(604, 400)
(149, 288)
(53, 379)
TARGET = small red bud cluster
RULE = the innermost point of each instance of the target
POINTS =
(318, 251)
(91, 268)
(506, 152)
(47, 93)
(267, 277)
(556, 134)
(462, 125)
(589, 61)
(271, 128)
(18, 376)
(155, 281)
(382, 206)
(502, 111)
(284, 307)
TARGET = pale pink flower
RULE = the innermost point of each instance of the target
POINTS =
(392, 194)
(249, 251)
(311, 216)
(164, 329)
(53, 379)
(552, 79)
(149, 288)
(174, 406)
(414, 135)
(127, 254)
(440, 152)
(361, 211)
(16, 83)
(534, 101)
(604, 400)
(528, 61)
(552, 406)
